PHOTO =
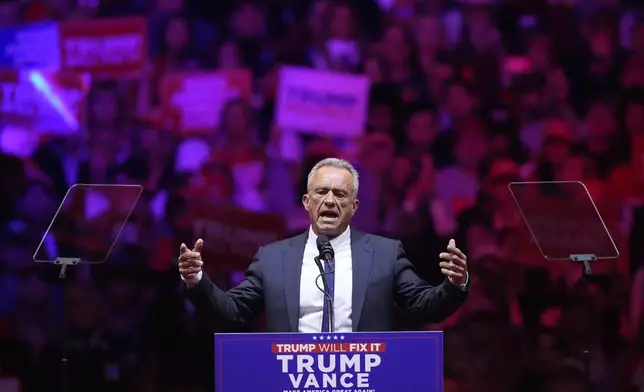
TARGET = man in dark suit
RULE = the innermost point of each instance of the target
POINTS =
(371, 273)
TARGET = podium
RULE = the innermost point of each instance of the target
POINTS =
(354, 361)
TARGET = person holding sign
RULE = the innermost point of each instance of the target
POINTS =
(362, 274)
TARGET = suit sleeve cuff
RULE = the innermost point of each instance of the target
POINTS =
(190, 283)
(464, 285)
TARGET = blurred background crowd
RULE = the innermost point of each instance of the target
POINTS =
(464, 97)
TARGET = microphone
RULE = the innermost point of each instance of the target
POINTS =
(325, 291)
(326, 250)
(327, 254)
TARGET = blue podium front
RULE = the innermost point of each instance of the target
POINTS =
(335, 362)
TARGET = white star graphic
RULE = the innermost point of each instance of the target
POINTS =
(321, 337)
(315, 338)
(328, 337)
(342, 337)
(335, 337)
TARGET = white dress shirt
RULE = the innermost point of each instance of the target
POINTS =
(312, 299)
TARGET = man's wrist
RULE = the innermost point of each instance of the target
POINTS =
(467, 280)
(462, 286)
(192, 281)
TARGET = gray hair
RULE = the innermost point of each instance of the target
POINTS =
(339, 164)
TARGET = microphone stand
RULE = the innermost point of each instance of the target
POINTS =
(330, 306)
(327, 297)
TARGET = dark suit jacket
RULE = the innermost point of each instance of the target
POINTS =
(382, 277)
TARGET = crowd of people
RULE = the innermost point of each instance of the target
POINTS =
(465, 98)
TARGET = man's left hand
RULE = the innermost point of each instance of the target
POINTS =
(454, 264)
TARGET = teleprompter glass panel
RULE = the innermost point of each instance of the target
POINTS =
(563, 219)
(88, 223)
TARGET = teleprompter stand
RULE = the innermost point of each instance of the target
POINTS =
(566, 225)
(91, 218)
(64, 262)
(586, 279)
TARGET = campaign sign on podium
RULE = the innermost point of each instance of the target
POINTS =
(341, 362)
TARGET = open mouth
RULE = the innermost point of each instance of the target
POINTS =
(329, 215)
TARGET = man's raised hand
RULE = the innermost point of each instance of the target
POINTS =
(454, 264)
(190, 262)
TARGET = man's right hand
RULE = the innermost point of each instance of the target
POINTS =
(190, 262)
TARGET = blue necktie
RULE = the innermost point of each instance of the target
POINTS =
(330, 277)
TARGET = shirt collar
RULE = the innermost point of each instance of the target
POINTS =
(339, 241)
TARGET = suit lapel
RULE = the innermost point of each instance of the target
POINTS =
(362, 255)
(292, 272)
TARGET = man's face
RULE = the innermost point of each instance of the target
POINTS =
(228, 57)
(237, 121)
(395, 46)
(572, 169)
(422, 129)
(539, 51)
(341, 23)
(429, 31)
(556, 150)
(459, 101)
(471, 147)
(601, 44)
(248, 21)
(378, 153)
(373, 70)
(105, 106)
(600, 121)
(503, 172)
(380, 118)
(558, 86)
(316, 17)
(330, 201)
(176, 35)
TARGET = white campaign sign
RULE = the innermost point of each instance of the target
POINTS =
(321, 102)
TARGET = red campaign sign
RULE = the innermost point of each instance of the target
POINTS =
(232, 235)
(42, 100)
(112, 47)
(192, 101)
